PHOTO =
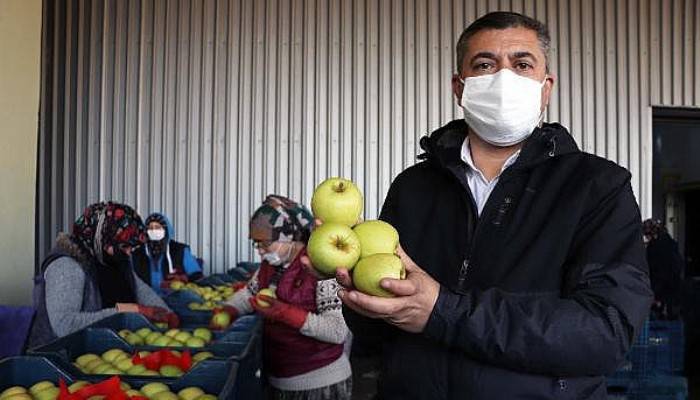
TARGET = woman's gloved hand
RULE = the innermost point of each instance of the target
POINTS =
(279, 311)
(159, 314)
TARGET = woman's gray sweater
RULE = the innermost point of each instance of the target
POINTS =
(65, 280)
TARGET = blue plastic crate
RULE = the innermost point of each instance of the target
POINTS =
(661, 387)
(133, 321)
(666, 346)
(26, 371)
(65, 350)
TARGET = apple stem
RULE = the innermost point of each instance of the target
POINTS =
(340, 187)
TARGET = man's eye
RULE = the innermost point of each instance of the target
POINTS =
(523, 66)
(483, 66)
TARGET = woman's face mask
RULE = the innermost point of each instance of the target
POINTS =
(156, 235)
(274, 258)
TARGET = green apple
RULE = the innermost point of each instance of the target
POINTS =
(332, 246)
(11, 391)
(371, 270)
(144, 353)
(195, 341)
(111, 355)
(149, 372)
(124, 333)
(202, 356)
(152, 337)
(124, 386)
(50, 393)
(94, 364)
(337, 200)
(136, 369)
(269, 292)
(190, 393)
(151, 389)
(113, 371)
(376, 237)
(102, 369)
(120, 357)
(176, 285)
(161, 325)
(203, 333)
(195, 306)
(206, 397)
(86, 358)
(221, 320)
(143, 332)
(162, 341)
(134, 339)
(18, 396)
(171, 333)
(183, 336)
(124, 365)
(77, 386)
(165, 396)
(175, 343)
(133, 393)
(39, 386)
(170, 370)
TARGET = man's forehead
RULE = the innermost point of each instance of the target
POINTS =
(509, 40)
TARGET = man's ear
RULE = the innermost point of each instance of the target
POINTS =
(547, 89)
(457, 88)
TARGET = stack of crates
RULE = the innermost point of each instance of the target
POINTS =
(654, 365)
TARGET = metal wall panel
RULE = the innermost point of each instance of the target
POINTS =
(198, 108)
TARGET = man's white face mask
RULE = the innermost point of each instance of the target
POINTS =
(156, 234)
(502, 108)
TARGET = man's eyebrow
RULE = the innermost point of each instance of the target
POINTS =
(484, 54)
(523, 54)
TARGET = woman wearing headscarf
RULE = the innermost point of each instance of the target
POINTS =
(89, 276)
(665, 269)
(163, 259)
(304, 329)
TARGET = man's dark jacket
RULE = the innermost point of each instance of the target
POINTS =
(540, 296)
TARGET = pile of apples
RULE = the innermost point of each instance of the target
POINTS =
(367, 249)
(172, 338)
(43, 390)
(46, 390)
(212, 295)
(118, 362)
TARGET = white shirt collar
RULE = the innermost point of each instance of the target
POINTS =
(467, 158)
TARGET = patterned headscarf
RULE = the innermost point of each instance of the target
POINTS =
(281, 219)
(653, 228)
(107, 224)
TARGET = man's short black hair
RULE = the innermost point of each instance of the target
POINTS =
(503, 20)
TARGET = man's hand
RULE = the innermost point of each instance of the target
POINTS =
(409, 310)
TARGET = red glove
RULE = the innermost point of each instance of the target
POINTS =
(157, 359)
(231, 311)
(280, 311)
(159, 314)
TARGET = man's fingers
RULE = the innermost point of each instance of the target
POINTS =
(380, 306)
(346, 299)
(399, 287)
(342, 275)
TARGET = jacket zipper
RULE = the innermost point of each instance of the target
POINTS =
(466, 264)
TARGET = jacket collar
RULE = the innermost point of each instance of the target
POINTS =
(443, 146)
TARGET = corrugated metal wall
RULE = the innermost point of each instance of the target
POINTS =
(198, 108)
